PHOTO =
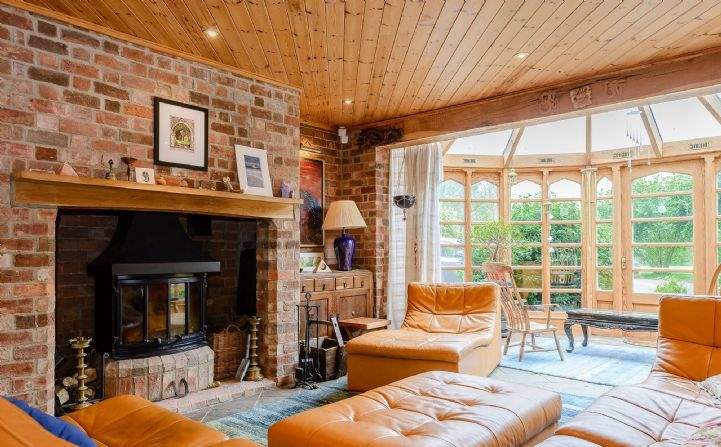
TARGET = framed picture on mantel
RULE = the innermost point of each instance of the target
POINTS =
(181, 135)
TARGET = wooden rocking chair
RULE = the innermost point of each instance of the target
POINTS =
(516, 312)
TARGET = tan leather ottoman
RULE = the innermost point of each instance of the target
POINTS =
(429, 409)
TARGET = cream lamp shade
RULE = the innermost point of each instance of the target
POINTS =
(343, 215)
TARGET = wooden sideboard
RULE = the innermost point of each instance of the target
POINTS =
(348, 294)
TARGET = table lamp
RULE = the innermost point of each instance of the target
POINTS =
(343, 215)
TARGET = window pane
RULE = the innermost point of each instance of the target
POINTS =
(565, 189)
(609, 130)
(484, 190)
(662, 282)
(526, 256)
(605, 280)
(526, 189)
(604, 209)
(450, 189)
(452, 234)
(131, 312)
(492, 143)
(527, 233)
(479, 256)
(662, 182)
(478, 276)
(663, 231)
(555, 137)
(565, 233)
(565, 279)
(453, 276)
(604, 257)
(177, 309)
(532, 297)
(684, 119)
(158, 311)
(566, 210)
(673, 206)
(527, 278)
(566, 256)
(604, 187)
(194, 305)
(662, 257)
(567, 300)
(484, 212)
(526, 211)
(604, 233)
(452, 257)
(451, 211)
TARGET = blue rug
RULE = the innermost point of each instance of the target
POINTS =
(254, 423)
(596, 363)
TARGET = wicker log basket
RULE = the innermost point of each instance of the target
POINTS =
(228, 346)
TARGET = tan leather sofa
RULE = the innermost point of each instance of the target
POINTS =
(118, 421)
(447, 327)
(668, 407)
(431, 409)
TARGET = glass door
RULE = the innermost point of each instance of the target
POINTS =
(661, 222)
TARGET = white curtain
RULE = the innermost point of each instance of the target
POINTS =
(414, 251)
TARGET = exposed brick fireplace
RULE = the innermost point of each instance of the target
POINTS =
(67, 95)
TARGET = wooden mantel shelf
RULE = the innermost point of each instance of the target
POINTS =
(31, 188)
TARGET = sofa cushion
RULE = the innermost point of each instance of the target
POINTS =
(451, 308)
(417, 345)
(429, 409)
(639, 415)
(55, 426)
(133, 421)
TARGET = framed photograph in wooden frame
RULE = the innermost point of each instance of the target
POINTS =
(311, 185)
(253, 174)
(180, 134)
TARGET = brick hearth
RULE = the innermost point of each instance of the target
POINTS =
(73, 96)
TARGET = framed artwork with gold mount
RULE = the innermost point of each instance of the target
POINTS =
(181, 135)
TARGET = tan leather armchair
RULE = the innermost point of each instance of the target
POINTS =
(668, 407)
(447, 327)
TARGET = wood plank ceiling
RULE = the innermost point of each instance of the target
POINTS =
(361, 61)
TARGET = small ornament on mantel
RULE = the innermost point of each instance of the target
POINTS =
(66, 169)
(160, 181)
(322, 267)
(285, 190)
(229, 186)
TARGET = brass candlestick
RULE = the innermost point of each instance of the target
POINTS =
(79, 344)
(254, 373)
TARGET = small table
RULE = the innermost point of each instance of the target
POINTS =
(359, 325)
(607, 319)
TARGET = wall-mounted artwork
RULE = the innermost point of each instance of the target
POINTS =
(253, 174)
(312, 192)
(181, 135)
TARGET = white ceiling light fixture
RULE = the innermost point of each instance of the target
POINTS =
(347, 101)
(212, 32)
(521, 55)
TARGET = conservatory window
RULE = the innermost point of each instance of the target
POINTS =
(564, 213)
(604, 234)
(452, 222)
(484, 208)
(684, 119)
(557, 137)
(662, 233)
(526, 253)
(612, 130)
(492, 143)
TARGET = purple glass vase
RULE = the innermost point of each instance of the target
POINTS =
(344, 246)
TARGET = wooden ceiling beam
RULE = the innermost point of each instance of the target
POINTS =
(511, 146)
(713, 105)
(649, 123)
(698, 74)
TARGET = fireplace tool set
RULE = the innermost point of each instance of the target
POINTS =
(306, 373)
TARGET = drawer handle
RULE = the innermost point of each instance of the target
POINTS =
(302, 289)
(345, 285)
(362, 284)
(322, 287)
(352, 314)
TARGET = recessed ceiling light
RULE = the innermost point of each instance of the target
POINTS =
(212, 32)
(347, 101)
(521, 55)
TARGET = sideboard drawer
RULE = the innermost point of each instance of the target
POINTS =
(360, 281)
(344, 282)
(324, 284)
(307, 285)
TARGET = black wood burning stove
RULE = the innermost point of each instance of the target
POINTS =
(150, 288)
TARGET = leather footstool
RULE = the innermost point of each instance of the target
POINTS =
(429, 409)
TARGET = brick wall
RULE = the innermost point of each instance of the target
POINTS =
(67, 95)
